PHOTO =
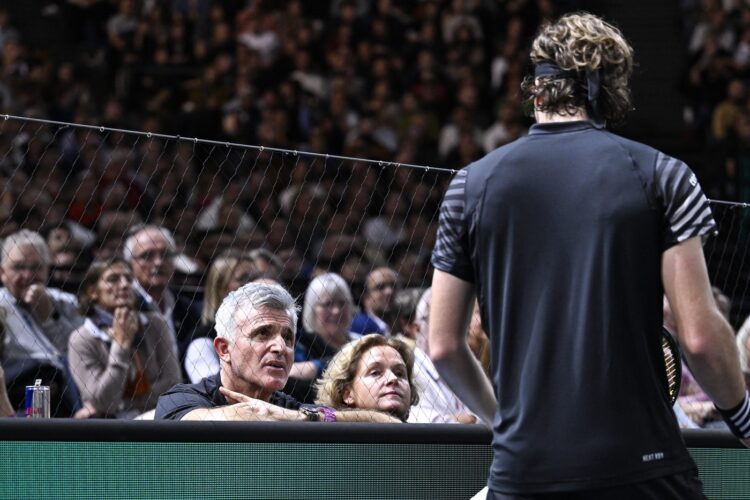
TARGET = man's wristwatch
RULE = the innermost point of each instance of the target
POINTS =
(312, 414)
(318, 413)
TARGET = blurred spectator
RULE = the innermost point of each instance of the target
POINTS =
(227, 273)
(380, 288)
(726, 114)
(403, 315)
(121, 360)
(437, 403)
(37, 322)
(151, 252)
(326, 317)
(6, 409)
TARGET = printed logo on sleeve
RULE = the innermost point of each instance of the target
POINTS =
(651, 457)
(693, 180)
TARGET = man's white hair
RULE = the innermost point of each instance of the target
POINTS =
(25, 238)
(249, 298)
(324, 286)
(127, 251)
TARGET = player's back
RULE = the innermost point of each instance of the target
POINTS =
(566, 229)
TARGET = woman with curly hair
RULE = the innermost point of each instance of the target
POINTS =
(371, 373)
(568, 237)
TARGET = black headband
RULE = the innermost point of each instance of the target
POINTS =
(593, 83)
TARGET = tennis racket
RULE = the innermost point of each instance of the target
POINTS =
(672, 364)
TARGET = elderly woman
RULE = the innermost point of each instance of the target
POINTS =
(120, 359)
(326, 317)
(227, 273)
(372, 373)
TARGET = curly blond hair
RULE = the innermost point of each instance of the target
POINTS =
(578, 43)
(341, 370)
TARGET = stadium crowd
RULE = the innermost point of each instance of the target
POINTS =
(403, 81)
(119, 249)
(717, 37)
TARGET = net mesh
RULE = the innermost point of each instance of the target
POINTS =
(195, 219)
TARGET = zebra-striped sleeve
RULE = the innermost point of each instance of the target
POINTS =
(451, 252)
(687, 211)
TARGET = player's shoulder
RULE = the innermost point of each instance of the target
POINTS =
(494, 157)
(630, 144)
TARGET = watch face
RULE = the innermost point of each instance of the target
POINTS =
(311, 414)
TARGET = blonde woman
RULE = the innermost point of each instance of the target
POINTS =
(227, 273)
(371, 373)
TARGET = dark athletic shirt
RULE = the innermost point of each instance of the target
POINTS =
(184, 398)
(562, 233)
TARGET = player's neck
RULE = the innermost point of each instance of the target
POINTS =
(543, 117)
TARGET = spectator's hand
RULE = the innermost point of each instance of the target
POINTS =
(125, 326)
(248, 408)
(87, 411)
(700, 412)
(37, 301)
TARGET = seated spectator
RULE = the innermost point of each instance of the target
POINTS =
(38, 321)
(437, 403)
(255, 328)
(267, 263)
(151, 251)
(6, 409)
(227, 274)
(380, 287)
(326, 318)
(121, 360)
(403, 315)
(371, 373)
(387, 229)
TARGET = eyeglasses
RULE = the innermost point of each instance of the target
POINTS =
(152, 255)
(330, 304)
(20, 266)
(246, 278)
(379, 287)
(113, 279)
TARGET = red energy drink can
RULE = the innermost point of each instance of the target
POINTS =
(37, 400)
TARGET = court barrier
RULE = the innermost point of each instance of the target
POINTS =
(62, 458)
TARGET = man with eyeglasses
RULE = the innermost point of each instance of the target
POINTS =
(36, 322)
(380, 289)
(150, 252)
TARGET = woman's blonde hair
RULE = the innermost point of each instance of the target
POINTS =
(342, 369)
(217, 282)
(577, 44)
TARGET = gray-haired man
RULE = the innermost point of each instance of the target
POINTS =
(255, 330)
(37, 320)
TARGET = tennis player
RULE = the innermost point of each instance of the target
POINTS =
(568, 237)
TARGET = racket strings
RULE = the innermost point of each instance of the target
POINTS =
(672, 369)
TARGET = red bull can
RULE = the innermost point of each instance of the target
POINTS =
(37, 400)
